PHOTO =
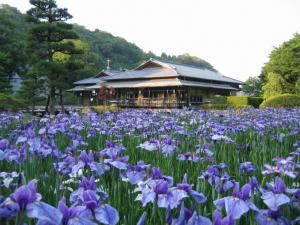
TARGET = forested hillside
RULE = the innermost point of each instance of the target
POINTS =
(98, 46)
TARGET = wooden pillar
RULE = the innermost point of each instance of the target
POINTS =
(140, 98)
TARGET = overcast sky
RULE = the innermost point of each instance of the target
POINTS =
(235, 36)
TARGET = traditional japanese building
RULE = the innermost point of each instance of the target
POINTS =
(156, 84)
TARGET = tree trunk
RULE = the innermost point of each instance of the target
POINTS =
(52, 100)
(32, 108)
(61, 100)
(47, 103)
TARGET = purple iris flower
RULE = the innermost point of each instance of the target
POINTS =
(3, 144)
(254, 183)
(103, 213)
(206, 149)
(247, 167)
(40, 147)
(295, 200)
(110, 144)
(22, 139)
(218, 220)
(157, 175)
(282, 166)
(136, 173)
(222, 182)
(120, 163)
(269, 217)
(198, 197)
(275, 197)
(16, 155)
(25, 199)
(168, 146)
(159, 191)
(189, 217)
(87, 161)
(217, 137)
(239, 203)
(152, 145)
(112, 149)
(65, 167)
(87, 185)
(25, 195)
(8, 208)
(7, 178)
(75, 215)
(190, 156)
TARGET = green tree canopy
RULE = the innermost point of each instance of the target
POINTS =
(284, 67)
(189, 60)
(275, 85)
(252, 86)
(13, 58)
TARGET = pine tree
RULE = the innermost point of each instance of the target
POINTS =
(49, 35)
(4, 76)
(32, 89)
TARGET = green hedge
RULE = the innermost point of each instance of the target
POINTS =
(255, 101)
(241, 101)
(237, 100)
(218, 99)
(283, 100)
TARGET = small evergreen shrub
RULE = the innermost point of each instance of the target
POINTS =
(10, 103)
(237, 101)
(218, 99)
(255, 101)
(283, 100)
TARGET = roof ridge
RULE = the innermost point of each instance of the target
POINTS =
(182, 64)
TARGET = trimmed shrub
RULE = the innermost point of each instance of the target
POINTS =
(241, 101)
(218, 99)
(255, 101)
(101, 108)
(283, 100)
(237, 100)
(215, 106)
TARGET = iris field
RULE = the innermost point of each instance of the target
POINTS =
(151, 167)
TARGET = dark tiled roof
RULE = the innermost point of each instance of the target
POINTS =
(98, 78)
(91, 80)
(156, 72)
(165, 69)
(200, 73)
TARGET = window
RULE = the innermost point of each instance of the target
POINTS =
(196, 98)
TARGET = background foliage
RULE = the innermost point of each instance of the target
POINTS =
(282, 72)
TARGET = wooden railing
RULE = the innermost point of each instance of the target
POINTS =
(149, 102)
